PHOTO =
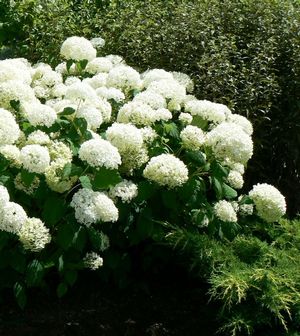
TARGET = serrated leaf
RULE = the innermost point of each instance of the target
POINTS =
(61, 289)
(85, 182)
(20, 294)
(106, 178)
(229, 192)
(34, 273)
(171, 129)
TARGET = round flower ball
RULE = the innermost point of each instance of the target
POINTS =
(269, 202)
(35, 158)
(166, 170)
(9, 129)
(78, 49)
(224, 210)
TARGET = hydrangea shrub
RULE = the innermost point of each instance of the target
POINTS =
(95, 156)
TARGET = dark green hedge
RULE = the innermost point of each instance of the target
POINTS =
(244, 53)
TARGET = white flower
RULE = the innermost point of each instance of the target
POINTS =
(184, 80)
(269, 202)
(12, 217)
(153, 99)
(137, 113)
(34, 235)
(246, 209)
(35, 158)
(91, 207)
(91, 114)
(155, 75)
(9, 129)
(4, 196)
(96, 81)
(125, 190)
(166, 170)
(17, 91)
(243, 122)
(162, 114)
(110, 93)
(229, 141)
(192, 137)
(115, 59)
(39, 114)
(80, 91)
(60, 151)
(225, 211)
(185, 118)
(98, 42)
(100, 153)
(125, 137)
(12, 154)
(77, 49)
(39, 138)
(72, 80)
(207, 110)
(15, 69)
(169, 89)
(148, 134)
(99, 64)
(124, 77)
(92, 261)
(235, 179)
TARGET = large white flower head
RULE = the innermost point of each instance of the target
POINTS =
(35, 158)
(78, 49)
(124, 77)
(155, 75)
(224, 210)
(269, 202)
(12, 217)
(80, 91)
(154, 100)
(15, 90)
(137, 113)
(99, 64)
(185, 118)
(91, 114)
(9, 129)
(243, 122)
(192, 137)
(92, 260)
(91, 207)
(229, 141)
(166, 170)
(34, 235)
(55, 178)
(60, 151)
(207, 110)
(96, 81)
(45, 77)
(148, 134)
(15, 69)
(170, 89)
(39, 114)
(4, 196)
(98, 42)
(125, 137)
(125, 190)
(100, 153)
(162, 114)
(235, 179)
(38, 137)
(110, 93)
(12, 154)
(184, 80)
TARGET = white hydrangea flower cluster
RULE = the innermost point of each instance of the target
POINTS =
(35, 158)
(124, 77)
(125, 190)
(224, 210)
(269, 202)
(9, 129)
(91, 207)
(34, 235)
(208, 110)
(92, 260)
(166, 170)
(78, 49)
(235, 179)
(192, 137)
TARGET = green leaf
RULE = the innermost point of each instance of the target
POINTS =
(229, 192)
(79, 239)
(53, 210)
(27, 177)
(199, 122)
(145, 190)
(34, 273)
(15, 104)
(67, 111)
(197, 157)
(171, 129)
(71, 277)
(217, 185)
(17, 260)
(85, 182)
(20, 294)
(65, 235)
(4, 179)
(69, 64)
(98, 240)
(67, 170)
(106, 178)
(61, 289)
(83, 64)
(81, 124)
(218, 170)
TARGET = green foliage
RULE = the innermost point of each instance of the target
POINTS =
(255, 280)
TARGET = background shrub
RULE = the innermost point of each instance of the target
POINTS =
(241, 53)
